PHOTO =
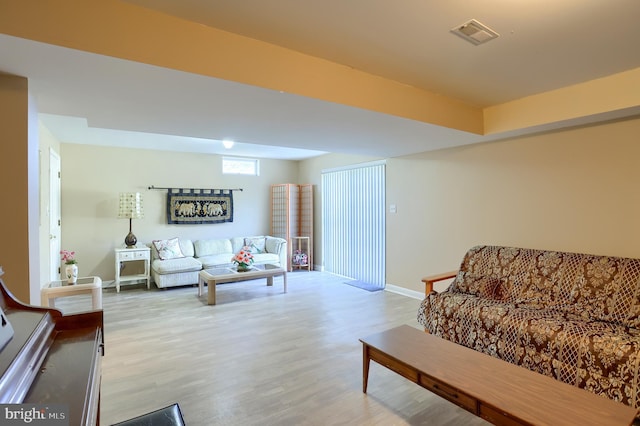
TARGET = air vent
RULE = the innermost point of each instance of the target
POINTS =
(475, 32)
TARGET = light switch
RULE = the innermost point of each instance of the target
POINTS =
(392, 208)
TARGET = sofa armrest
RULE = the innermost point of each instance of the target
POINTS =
(430, 280)
(278, 246)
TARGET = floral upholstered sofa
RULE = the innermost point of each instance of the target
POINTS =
(574, 317)
(178, 261)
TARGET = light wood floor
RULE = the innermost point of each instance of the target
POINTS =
(259, 357)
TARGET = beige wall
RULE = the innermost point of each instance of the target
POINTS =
(33, 202)
(311, 172)
(569, 190)
(19, 253)
(573, 190)
(92, 178)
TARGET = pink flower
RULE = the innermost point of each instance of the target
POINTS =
(243, 257)
(68, 257)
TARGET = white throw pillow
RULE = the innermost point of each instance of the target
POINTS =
(168, 249)
(255, 244)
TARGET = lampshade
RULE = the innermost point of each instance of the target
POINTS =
(130, 206)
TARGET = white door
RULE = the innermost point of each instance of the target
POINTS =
(54, 215)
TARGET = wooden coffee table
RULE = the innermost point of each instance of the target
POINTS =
(500, 392)
(214, 276)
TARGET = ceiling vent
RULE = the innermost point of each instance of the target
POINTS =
(475, 32)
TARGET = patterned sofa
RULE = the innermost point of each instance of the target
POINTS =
(574, 317)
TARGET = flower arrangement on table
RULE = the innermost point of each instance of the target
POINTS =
(71, 270)
(68, 257)
(243, 259)
(300, 258)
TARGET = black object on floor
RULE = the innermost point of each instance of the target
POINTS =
(363, 285)
(167, 416)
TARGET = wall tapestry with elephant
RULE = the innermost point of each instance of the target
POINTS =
(188, 206)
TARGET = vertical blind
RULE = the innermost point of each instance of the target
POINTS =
(353, 222)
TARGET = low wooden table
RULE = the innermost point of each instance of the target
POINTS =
(499, 392)
(229, 275)
(83, 285)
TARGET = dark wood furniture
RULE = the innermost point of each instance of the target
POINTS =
(431, 280)
(499, 392)
(52, 358)
(167, 416)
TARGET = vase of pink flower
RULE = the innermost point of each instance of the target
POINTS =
(244, 259)
(71, 265)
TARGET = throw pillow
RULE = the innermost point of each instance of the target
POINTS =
(168, 249)
(255, 244)
(273, 245)
(485, 287)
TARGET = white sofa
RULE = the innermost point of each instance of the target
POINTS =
(182, 266)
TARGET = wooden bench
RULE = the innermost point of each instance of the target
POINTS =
(499, 392)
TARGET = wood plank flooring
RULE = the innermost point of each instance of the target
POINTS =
(259, 357)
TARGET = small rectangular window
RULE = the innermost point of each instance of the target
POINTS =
(240, 166)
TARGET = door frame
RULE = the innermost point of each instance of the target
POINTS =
(54, 212)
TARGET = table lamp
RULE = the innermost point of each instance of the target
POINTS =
(130, 208)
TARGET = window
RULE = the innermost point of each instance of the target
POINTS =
(240, 166)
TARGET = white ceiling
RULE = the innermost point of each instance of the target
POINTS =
(543, 45)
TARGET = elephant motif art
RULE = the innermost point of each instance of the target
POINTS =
(214, 209)
(185, 209)
(191, 207)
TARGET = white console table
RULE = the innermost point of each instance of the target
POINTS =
(140, 253)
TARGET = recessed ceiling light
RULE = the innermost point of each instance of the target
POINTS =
(475, 32)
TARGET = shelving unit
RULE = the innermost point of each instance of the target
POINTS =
(301, 244)
(292, 218)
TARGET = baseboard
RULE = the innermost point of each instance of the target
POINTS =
(404, 291)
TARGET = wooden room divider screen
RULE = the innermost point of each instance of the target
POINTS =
(292, 217)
